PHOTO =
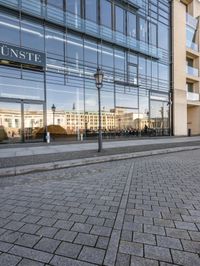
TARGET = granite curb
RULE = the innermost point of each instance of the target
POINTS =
(17, 170)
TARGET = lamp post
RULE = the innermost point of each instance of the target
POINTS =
(53, 108)
(99, 83)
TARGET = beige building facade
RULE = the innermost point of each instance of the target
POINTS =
(186, 67)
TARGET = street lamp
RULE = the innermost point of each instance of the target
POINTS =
(53, 108)
(99, 83)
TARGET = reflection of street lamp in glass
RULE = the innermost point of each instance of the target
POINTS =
(53, 108)
(99, 83)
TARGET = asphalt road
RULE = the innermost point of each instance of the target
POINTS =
(135, 212)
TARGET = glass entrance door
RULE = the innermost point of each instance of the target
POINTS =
(10, 122)
(21, 121)
(33, 122)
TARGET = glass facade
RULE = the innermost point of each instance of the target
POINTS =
(76, 37)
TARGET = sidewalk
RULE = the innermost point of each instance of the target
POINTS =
(36, 157)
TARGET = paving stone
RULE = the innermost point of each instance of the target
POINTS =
(131, 248)
(169, 242)
(137, 261)
(27, 262)
(102, 242)
(27, 240)
(130, 226)
(9, 260)
(143, 220)
(4, 247)
(86, 239)
(14, 225)
(164, 222)
(153, 229)
(157, 253)
(92, 255)
(123, 259)
(127, 235)
(30, 228)
(62, 224)
(144, 238)
(62, 261)
(31, 254)
(10, 236)
(66, 235)
(185, 258)
(47, 221)
(78, 218)
(194, 235)
(47, 231)
(47, 245)
(191, 246)
(69, 250)
(177, 233)
(31, 219)
(82, 228)
(186, 226)
(101, 230)
(16, 216)
(95, 221)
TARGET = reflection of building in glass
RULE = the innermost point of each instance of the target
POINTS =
(129, 40)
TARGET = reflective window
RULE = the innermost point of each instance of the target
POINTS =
(163, 36)
(153, 34)
(143, 30)
(91, 10)
(90, 52)
(107, 56)
(106, 14)
(56, 3)
(119, 19)
(131, 24)
(9, 29)
(55, 42)
(32, 35)
(74, 6)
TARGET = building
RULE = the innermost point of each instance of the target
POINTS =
(50, 50)
(186, 80)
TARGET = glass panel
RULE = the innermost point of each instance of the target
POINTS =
(33, 6)
(32, 35)
(120, 63)
(144, 123)
(126, 97)
(91, 10)
(133, 74)
(119, 19)
(23, 89)
(159, 121)
(68, 118)
(10, 122)
(33, 122)
(56, 3)
(74, 6)
(143, 30)
(9, 29)
(131, 27)
(55, 43)
(152, 34)
(106, 15)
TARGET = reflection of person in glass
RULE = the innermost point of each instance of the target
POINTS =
(145, 129)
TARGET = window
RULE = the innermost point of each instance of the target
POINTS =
(90, 52)
(163, 36)
(106, 13)
(57, 3)
(131, 25)
(74, 6)
(55, 41)
(152, 34)
(143, 30)
(9, 29)
(91, 10)
(119, 19)
(32, 35)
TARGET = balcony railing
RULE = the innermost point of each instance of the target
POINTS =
(191, 21)
(192, 96)
(73, 21)
(192, 71)
(192, 45)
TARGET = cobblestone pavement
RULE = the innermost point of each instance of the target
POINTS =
(132, 212)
